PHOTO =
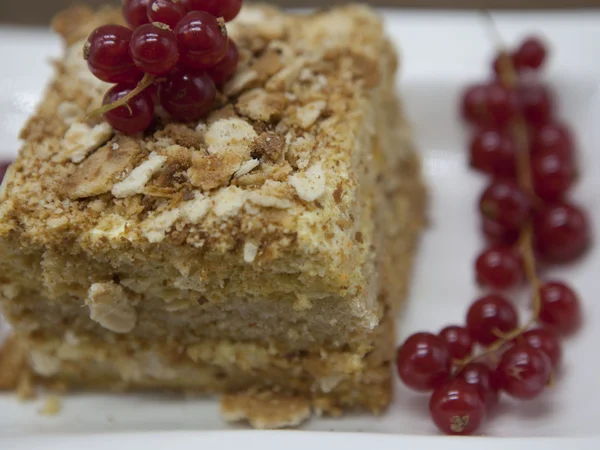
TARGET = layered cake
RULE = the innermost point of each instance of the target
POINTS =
(261, 253)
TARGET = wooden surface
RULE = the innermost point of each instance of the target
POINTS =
(40, 11)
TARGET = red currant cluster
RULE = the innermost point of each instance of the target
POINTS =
(530, 158)
(174, 53)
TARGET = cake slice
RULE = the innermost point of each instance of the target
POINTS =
(261, 253)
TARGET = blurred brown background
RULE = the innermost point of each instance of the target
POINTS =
(40, 11)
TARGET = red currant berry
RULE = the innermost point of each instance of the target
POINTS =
(154, 49)
(458, 341)
(4, 165)
(225, 68)
(536, 103)
(553, 137)
(498, 234)
(484, 378)
(523, 371)
(561, 232)
(493, 152)
(560, 307)
(530, 54)
(166, 11)
(473, 103)
(457, 408)
(125, 120)
(552, 175)
(136, 12)
(108, 56)
(202, 40)
(227, 9)
(492, 104)
(423, 361)
(499, 267)
(546, 341)
(489, 315)
(505, 203)
(185, 96)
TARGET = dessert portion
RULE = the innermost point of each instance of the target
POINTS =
(261, 252)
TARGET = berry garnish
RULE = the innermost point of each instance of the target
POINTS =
(224, 69)
(489, 317)
(227, 9)
(552, 175)
(132, 119)
(490, 104)
(154, 49)
(458, 341)
(523, 371)
(108, 55)
(497, 233)
(423, 361)
(493, 152)
(505, 202)
(531, 159)
(136, 12)
(561, 232)
(531, 54)
(473, 103)
(553, 137)
(485, 379)
(546, 341)
(166, 11)
(202, 40)
(536, 103)
(559, 307)
(499, 267)
(456, 407)
(177, 52)
(187, 96)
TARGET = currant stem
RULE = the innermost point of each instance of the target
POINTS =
(508, 77)
(145, 82)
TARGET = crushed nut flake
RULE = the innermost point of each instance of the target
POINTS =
(196, 209)
(250, 252)
(137, 179)
(246, 168)
(80, 139)
(228, 202)
(308, 114)
(259, 104)
(241, 81)
(156, 228)
(230, 135)
(309, 185)
(97, 174)
(70, 112)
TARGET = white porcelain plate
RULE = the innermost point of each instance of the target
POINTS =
(441, 52)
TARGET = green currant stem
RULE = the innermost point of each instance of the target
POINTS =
(145, 82)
